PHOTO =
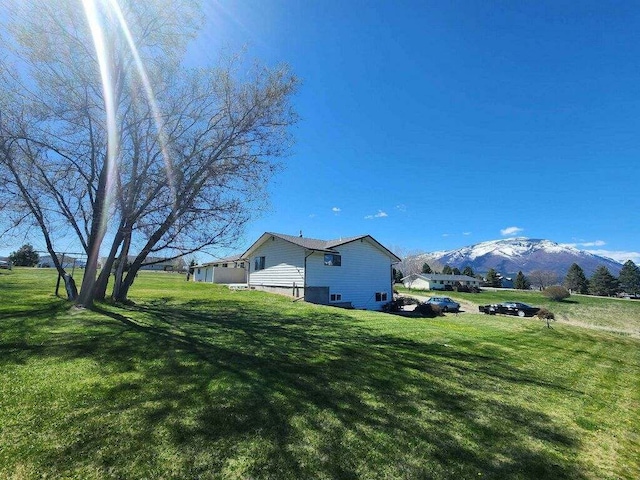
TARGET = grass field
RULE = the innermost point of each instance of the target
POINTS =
(195, 381)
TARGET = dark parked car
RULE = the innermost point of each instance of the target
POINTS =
(509, 308)
(445, 303)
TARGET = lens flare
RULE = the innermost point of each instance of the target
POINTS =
(142, 72)
(103, 56)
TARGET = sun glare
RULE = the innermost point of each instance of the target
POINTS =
(103, 54)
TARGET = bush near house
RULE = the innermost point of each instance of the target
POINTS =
(428, 310)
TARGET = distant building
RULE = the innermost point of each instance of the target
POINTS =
(226, 271)
(66, 261)
(437, 281)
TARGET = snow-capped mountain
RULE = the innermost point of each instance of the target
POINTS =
(514, 254)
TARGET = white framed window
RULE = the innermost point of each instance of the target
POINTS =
(336, 297)
(381, 296)
(332, 260)
(259, 264)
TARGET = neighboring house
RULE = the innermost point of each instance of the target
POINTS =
(349, 272)
(156, 263)
(67, 261)
(226, 270)
(5, 263)
(437, 281)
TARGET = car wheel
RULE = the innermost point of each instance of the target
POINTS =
(521, 313)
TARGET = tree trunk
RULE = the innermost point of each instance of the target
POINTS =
(124, 257)
(100, 287)
(86, 297)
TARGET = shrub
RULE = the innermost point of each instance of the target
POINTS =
(393, 306)
(428, 310)
(556, 293)
(544, 314)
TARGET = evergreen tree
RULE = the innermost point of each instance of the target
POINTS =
(576, 281)
(446, 270)
(521, 283)
(602, 282)
(468, 271)
(25, 256)
(629, 278)
(426, 268)
(493, 279)
(455, 271)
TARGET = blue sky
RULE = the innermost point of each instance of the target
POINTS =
(435, 125)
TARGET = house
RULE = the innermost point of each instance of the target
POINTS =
(437, 281)
(226, 270)
(67, 261)
(349, 272)
(161, 264)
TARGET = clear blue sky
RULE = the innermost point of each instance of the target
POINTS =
(435, 125)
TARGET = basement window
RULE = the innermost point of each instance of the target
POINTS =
(332, 260)
(336, 297)
(381, 296)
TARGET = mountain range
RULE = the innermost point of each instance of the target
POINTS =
(508, 256)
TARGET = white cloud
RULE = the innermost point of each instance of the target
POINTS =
(446, 234)
(510, 231)
(466, 233)
(380, 214)
(402, 207)
(597, 243)
(336, 210)
(312, 215)
(618, 255)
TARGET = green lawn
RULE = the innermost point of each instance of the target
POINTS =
(195, 381)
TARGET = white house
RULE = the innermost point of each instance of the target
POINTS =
(67, 261)
(437, 281)
(349, 272)
(226, 270)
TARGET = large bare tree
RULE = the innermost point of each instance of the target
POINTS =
(104, 133)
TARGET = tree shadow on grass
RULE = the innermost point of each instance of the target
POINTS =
(234, 389)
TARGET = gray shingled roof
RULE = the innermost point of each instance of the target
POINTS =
(319, 245)
(314, 243)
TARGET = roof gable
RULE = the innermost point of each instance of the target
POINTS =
(317, 244)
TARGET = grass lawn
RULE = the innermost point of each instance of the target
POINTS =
(195, 381)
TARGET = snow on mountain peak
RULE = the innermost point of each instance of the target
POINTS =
(521, 253)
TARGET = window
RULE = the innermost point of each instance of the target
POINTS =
(332, 260)
(381, 296)
(336, 297)
(225, 265)
(198, 271)
(259, 264)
